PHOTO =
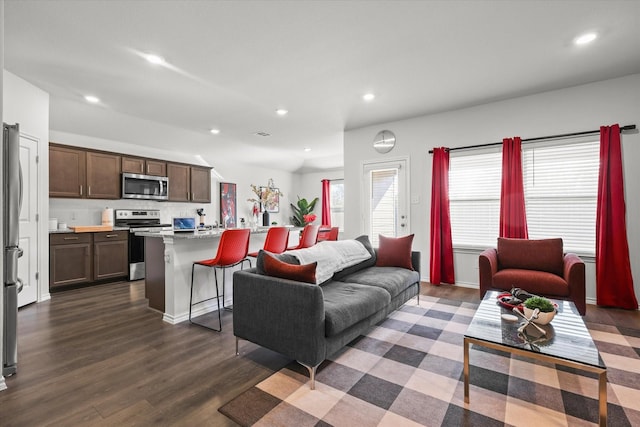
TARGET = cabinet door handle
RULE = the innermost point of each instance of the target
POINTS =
(70, 238)
(193, 196)
(112, 235)
(81, 190)
(89, 190)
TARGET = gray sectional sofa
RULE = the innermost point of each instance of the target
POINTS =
(309, 322)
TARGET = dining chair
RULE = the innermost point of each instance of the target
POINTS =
(309, 237)
(275, 242)
(232, 250)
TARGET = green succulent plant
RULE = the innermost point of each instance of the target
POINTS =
(303, 208)
(541, 303)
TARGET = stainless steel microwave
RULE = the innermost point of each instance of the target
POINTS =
(135, 186)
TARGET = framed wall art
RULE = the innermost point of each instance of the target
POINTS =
(271, 199)
(228, 211)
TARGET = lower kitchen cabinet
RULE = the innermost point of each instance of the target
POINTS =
(85, 258)
(110, 255)
(70, 259)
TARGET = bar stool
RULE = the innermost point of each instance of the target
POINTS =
(232, 250)
(329, 234)
(309, 237)
(276, 241)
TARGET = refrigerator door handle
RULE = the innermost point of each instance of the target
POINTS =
(20, 284)
(21, 188)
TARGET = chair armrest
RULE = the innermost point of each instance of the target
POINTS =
(282, 315)
(487, 267)
(574, 275)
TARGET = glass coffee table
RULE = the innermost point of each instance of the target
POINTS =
(567, 342)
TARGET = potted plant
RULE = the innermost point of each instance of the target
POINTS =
(303, 208)
(546, 309)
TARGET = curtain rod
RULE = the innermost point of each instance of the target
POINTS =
(539, 138)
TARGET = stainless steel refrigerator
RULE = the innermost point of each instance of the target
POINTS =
(12, 203)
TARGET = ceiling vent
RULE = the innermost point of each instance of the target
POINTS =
(262, 134)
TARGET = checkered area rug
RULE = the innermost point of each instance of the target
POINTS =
(407, 371)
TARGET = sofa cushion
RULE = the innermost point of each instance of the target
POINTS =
(395, 252)
(364, 239)
(301, 273)
(536, 282)
(284, 257)
(542, 255)
(345, 304)
(394, 280)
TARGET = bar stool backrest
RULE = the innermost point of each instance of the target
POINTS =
(309, 236)
(333, 233)
(233, 247)
(276, 240)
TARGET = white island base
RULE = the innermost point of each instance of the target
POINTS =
(168, 261)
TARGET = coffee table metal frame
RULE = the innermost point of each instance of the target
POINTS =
(602, 372)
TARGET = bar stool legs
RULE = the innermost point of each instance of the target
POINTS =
(217, 297)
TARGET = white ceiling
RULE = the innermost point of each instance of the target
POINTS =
(235, 62)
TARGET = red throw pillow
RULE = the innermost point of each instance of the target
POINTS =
(301, 273)
(395, 252)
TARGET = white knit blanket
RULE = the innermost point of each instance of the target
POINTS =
(332, 256)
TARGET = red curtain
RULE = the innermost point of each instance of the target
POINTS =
(513, 216)
(326, 202)
(614, 283)
(441, 251)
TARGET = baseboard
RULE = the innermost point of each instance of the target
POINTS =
(198, 310)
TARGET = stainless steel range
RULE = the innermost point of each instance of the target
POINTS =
(138, 220)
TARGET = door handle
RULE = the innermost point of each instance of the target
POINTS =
(112, 235)
(20, 284)
(70, 238)
(81, 190)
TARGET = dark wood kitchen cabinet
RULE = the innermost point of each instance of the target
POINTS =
(179, 182)
(67, 172)
(144, 166)
(103, 175)
(86, 258)
(110, 254)
(189, 183)
(200, 184)
(70, 259)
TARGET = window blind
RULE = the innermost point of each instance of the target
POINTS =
(384, 199)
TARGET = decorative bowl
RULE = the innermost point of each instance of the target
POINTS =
(543, 318)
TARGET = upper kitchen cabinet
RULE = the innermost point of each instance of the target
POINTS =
(103, 175)
(200, 184)
(144, 166)
(67, 172)
(189, 183)
(179, 182)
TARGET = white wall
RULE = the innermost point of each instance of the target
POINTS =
(3, 385)
(574, 109)
(87, 212)
(29, 106)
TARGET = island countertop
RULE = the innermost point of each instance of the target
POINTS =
(201, 234)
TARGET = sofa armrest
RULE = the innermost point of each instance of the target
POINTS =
(574, 275)
(487, 267)
(415, 261)
(282, 315)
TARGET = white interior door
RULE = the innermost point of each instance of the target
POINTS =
(28, 263)
(385, 196)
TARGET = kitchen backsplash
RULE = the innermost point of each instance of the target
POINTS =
(89, 212)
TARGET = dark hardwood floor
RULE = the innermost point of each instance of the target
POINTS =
(98, 356)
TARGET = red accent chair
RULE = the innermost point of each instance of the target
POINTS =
(232, 250)
(328, 234)
(276, 241)
(537, 266)
(309, 237)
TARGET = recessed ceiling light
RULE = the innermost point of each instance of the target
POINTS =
(215, 131)
(281, 112)
(585, 39)
(307, 149)
(92, 99)
(369, 97)
(154, 59)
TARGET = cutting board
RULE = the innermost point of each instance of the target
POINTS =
(90, 228)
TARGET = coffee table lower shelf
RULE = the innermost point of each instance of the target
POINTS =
(602, 372)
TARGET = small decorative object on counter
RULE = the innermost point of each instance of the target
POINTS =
(242, 223)
(265, 218)
(303, 208)
(201, 214)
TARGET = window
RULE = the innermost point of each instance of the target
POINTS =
(337, 203)
(560, 185)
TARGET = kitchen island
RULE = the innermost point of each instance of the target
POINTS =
(168, 259)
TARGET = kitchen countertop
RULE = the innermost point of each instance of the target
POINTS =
(68, 230)
(206, 234)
